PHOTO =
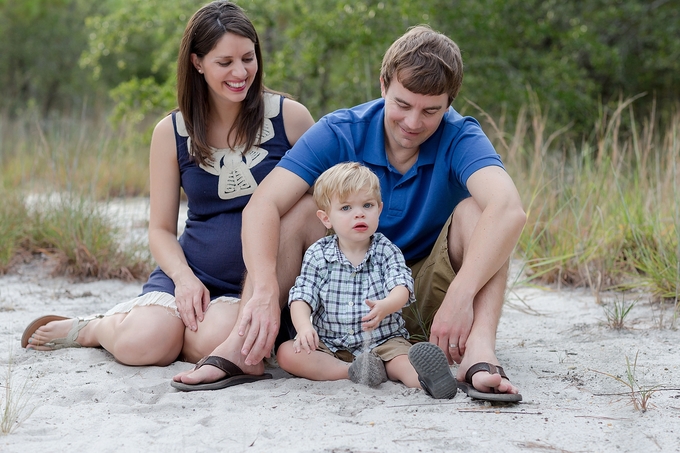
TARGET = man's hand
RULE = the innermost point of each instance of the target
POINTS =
(260, 323)
(192, 299)
(451, 327)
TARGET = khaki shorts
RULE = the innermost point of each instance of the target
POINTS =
(431, 278)
(386, 351)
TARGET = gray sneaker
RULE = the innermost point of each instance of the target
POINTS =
(368, 369)
(434, 372)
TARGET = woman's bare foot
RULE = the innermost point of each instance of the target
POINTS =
(54, 330)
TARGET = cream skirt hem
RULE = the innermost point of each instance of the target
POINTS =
(162, 299)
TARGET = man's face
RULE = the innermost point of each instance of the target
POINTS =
(410, 118)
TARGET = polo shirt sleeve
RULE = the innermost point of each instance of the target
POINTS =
(316, 151)
(472, 151)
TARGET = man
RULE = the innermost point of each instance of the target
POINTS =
(449, 206)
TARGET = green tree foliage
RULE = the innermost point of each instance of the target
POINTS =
(40, 44)
(328, 52)
(574, 56)
(133, 48)
(511, 47)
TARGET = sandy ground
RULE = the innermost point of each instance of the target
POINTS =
(555, 345)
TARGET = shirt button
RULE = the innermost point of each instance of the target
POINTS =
(351, 304)
(351, 331)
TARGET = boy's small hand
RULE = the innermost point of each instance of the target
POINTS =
(307, 340)
(373, 318)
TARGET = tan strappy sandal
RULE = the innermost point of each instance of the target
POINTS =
(58, 343)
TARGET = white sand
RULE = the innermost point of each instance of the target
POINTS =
(554, 345)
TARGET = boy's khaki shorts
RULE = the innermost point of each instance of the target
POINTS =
(386, 351)
(431, 278)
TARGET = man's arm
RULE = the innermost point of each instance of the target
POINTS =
(483, 248)
(260, 234)
(498, 229)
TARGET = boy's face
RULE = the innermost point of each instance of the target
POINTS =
(410, 118)
(354, 218)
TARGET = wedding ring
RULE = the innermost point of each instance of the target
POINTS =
(453, 346)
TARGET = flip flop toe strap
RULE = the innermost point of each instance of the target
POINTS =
(484, 366)
(223, 364)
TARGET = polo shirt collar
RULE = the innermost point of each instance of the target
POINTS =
(374, 146)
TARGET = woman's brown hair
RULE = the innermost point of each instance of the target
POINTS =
(205, 28)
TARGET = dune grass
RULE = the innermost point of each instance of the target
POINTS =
(603, 213)
(13, 221)
(83, 160)
(639, 395)
(14, 400)
(84, 240)
(72, 230)
(74, 154)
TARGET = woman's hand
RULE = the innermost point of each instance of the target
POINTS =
(192, 299)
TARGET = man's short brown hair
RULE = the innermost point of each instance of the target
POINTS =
(424, 62)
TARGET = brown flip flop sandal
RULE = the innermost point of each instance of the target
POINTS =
(472, 392)
(235, 375)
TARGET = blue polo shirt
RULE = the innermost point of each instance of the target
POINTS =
(418, 203)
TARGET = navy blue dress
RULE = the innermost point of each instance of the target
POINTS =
(217, 194)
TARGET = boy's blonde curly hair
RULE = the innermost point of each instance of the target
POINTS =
(343, 180)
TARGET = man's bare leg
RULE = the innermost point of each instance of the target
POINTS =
(299, 229)
(481, 344)
(487, 306)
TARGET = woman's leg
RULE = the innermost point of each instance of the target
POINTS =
(317, 365)
(218, 322)
(149, 335)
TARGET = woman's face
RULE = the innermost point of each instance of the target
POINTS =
(229, 68)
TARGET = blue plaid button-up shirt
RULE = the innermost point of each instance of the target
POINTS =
(336, 291)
